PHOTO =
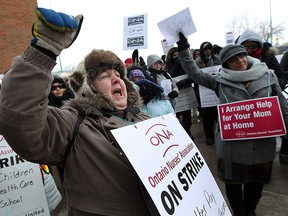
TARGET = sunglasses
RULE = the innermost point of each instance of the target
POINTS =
(252, 47)
(53, 88)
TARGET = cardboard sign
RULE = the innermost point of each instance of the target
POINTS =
(251, 119)
(21, 186)
(171, 167)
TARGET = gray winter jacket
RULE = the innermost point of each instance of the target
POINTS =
(249, 152)
(98, 178)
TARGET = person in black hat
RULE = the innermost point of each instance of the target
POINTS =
(244, 165)
(209, 115)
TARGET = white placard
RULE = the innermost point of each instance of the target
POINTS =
(21, 186)
(165, 46)
(166, 84)
(171, 26)
(171, 168)
(208, 98)
(135, 32)
(186, 99)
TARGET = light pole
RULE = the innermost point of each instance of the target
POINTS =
(271, 30)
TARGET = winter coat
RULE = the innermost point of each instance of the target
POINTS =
(248, 152)
(268, 56)
(158, 75)
(98, 177)
(68, 94)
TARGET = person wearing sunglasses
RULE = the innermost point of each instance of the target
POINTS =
(60, 92)
(208, 115)
(265, 52)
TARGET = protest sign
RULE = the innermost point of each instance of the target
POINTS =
(135, 32)
(186, 99)
(21, 186)
(251, 119)
(171, 26)
(171, 167)
(208, 98)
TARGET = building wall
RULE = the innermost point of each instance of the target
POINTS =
(16, 18)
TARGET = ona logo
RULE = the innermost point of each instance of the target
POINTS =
(158, 135)
(241, 134)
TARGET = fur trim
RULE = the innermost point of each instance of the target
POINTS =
(101, 60)
(81, 81)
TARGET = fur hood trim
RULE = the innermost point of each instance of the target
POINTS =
(81, 81)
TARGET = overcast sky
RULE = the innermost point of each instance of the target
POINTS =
(103, 22)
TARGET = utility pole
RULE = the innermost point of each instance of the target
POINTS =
(271, 30)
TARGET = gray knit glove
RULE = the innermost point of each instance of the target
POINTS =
(55, 31)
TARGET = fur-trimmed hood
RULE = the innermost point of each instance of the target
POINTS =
(81, 82)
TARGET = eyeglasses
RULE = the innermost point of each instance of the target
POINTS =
(53, 88)
(252, 47)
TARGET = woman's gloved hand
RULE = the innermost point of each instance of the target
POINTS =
(55, 31)
(182, 43)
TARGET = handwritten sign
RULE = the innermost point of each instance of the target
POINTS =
(135, 32)
(21, 187)
(208, 98)
(251, 119)
(186, 99)
(171, 167)
(171, 26)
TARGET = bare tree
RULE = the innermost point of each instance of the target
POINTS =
(239, 24)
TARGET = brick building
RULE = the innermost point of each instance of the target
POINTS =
(16, 18)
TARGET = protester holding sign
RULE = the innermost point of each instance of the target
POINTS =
(98, 178)
(244, 165)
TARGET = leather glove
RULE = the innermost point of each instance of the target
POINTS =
(55, 31)
(135, 58)
(182, 43)
(142, 63)
(173, 94)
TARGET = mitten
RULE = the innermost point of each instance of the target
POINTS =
(135, 55)
(55, 31)
(173, 94)
(142, 63)
(147, 84)
(182, 43)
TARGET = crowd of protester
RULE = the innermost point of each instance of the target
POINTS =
(46, 116)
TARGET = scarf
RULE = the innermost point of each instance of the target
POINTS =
(256, 70)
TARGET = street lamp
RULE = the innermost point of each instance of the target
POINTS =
(271, 30)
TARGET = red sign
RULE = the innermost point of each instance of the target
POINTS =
(251, 119)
